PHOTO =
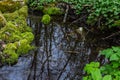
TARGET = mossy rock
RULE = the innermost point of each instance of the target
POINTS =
(9, 33)
(23, 47)
(2, 20)
(52, 11)
(9, 55)
(9, 6)
(16, 35)
(21, 13)
(46, 19)
(11, 16)
(28, 36)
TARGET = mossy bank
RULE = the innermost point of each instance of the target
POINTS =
(15, 35)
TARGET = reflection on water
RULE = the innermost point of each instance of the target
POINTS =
(60, 55)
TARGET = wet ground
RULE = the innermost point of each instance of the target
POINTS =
(60, 53)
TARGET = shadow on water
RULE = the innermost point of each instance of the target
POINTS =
(60, 55)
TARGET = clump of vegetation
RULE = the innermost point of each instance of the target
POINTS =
(9, 6)
(102, 12)
(23, 47)
(16, 35)
(52, 11)
(108, 71)
(2, 20)
(39, 5)
(9, 55)
(46, 19)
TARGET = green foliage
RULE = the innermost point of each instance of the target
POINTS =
(112, 53)
(103, 11)
(109, 71)
(93, 70)
(52, 11)
(39, 5)
(46, 19)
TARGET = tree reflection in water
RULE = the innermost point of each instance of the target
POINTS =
(60, 53)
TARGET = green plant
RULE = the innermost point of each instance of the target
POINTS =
(52, 11)
(38, 5)
(46, 19)
(104, 12)
(108, 71)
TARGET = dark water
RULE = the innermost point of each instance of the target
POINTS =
(60, 53)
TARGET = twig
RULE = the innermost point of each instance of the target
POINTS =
(77, 20)
(72, 52)
(114, 34)
(66, 13)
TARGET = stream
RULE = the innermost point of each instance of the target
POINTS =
(60, 54)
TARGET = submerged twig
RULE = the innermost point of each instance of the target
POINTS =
(72, 52)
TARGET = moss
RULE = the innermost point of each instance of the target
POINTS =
(9, 6)
(52, 11)
(23, 47)
(21, 14)
(28, 36)
(46, 19)
(116, 23)
(23, 11)
(2, 20)
(11, 16)
(16, 35)
(9, 55)
(9, 33)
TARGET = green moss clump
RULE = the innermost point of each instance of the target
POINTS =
(52, 11)
(9, 55)
(9, 6)
(11, 16)
(10, 33)
(23, 11)
(46, 19)
(23, 47)
(16, 35)
(21, 14)
(2, 20)
(28, 36)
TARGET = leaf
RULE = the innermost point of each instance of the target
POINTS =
(114, 57)
(96, 74)
(116, 49)
(107, 77)
(107, 52)
(115, 64)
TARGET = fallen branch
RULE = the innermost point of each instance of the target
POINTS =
(77, 20)
(66, 13)
(114, 34)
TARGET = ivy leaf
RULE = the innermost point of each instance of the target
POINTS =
(107, 77)
(114, 57)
